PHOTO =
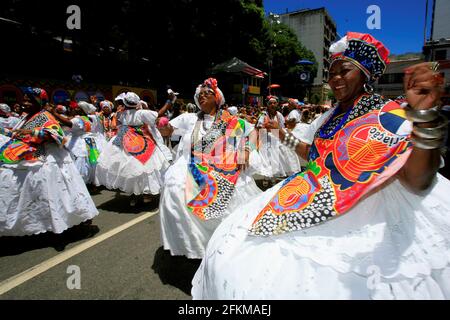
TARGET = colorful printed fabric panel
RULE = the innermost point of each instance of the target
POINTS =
(136, 141)
(86, 123)
(92, 149)
(214, 169)
(370, 147)
(30, 147)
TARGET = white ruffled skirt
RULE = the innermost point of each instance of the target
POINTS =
(116, 169)
(183, 233)
(80, 154)
(276, 160)
(43, 196)
(392, 245)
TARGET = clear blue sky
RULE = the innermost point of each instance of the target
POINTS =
(402, 21)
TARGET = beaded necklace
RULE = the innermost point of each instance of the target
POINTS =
(323, 129)
(196, 132)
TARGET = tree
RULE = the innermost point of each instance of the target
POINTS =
(148, 42)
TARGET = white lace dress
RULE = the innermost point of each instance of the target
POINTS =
(116, 169)
(41, 196)
(183, 233)
(392, 245)
(276, 160)
(79, 149)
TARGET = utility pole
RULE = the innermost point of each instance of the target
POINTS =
(426, 22)
(272, 18)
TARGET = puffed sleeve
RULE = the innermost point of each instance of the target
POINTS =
(183, 123)
(77, 124)
(148, 117)
(309, 134)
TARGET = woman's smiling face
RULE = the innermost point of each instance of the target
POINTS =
(346, 81)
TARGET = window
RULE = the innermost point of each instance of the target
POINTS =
(391, 78)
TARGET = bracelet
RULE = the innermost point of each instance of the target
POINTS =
(437, 132)
(428, 144)
(421, 116)
(286, 135)
(290, 140)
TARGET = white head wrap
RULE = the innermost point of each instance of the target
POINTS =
(120, 96)
(86, 107)
(5, 108)
(131, 100)
(143, 105)
(233, 110)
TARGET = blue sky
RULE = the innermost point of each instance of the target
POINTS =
(402, 21)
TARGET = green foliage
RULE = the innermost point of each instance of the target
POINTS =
(330, 95)
(286, 51)
(315, 99)
(154, 43)
(406, 56)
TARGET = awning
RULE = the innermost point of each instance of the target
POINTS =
(236, 65)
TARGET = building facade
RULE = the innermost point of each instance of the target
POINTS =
(437, 48)
(390, 85)
(440, 28)
(316, 30)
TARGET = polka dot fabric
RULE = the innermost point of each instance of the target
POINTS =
(367, 53)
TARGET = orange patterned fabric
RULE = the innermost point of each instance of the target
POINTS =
(367, 150)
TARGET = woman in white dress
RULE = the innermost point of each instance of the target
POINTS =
(83, 142)
(204, 184)
(108, 120)
(132, 161)
(40, 187)
(276, 160)
(368, 219)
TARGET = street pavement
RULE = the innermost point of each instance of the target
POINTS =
(130, 264)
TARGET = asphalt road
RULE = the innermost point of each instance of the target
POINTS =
(129, 264)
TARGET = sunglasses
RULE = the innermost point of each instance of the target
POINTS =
(206, 94)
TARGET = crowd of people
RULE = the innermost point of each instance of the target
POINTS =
(359, 191)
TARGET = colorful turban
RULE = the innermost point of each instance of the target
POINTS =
(212, 84)
(364, 51)
(272, 98)
(37, 94)
(61, 108)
